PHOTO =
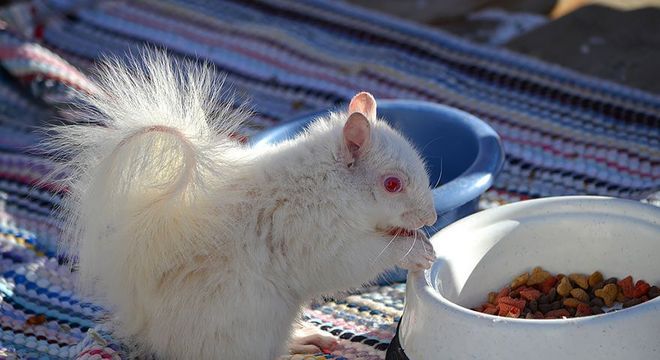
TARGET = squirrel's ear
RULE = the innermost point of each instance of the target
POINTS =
(365, 104)
(357, 132)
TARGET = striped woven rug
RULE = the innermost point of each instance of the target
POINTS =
(563, 133)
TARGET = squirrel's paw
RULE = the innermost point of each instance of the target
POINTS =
(309, 339)
(418, 255)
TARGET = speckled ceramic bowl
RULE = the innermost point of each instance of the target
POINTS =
(484, 251)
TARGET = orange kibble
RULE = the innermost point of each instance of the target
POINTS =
(520, 304)
(641, 288)
(626, 286)
(504, 292)
(508, 310)
(490, 309)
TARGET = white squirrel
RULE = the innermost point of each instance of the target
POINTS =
(206, 248)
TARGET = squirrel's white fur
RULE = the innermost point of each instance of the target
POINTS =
(204, 248)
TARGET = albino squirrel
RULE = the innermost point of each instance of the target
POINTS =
(206, 248)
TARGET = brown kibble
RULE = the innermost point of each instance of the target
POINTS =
(564, 287)
(537, 277)
(520, 280)
(654, 292)
(555, 305)
(611, 280)
(598, 285)
(595, 278)
(632, 302)
(580, 295)
(597, 310)
(492, 297)
(620, 297)
(537, 269)
(572, 302)
(580, 280)
(608, 293)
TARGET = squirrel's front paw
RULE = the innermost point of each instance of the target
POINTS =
(418, 255)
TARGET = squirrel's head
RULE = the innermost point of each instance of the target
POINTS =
(385, 175)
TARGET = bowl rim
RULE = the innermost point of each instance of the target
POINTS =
(419, 282)
(467, 186)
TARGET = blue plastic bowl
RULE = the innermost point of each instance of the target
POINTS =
(463, 152)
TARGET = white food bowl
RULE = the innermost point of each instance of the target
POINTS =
(485, 251)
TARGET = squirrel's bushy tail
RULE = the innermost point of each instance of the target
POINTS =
(143, 188)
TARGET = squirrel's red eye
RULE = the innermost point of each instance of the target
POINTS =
(393, 184)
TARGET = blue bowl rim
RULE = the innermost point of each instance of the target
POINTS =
(469, 185)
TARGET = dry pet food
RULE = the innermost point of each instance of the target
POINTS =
(541, 295)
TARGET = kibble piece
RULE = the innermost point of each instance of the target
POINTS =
(654, 292)
(626, 286)
(533, 305)
(504, 292)
(547, 285)
(583, 310)
(598, 285)
(580, 280)
(520, 280)
(545, 308)
(490, 309)
(580, 295)
(621, 298)
(492, 297)
(595, 278)
(572, 302)
(514, 293)
(537, 277)
(557, 314)
(543, 299)
(641, 288)
(508, 310)
(632, 302)
(611, 280)
(564, 287)
(608, 293)
(530, 294)
(555, 305)
(571, 311)
(552, 295)
(597, 310)
(520, 304)
(597, 302)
